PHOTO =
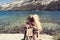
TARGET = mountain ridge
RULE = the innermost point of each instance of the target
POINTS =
(29, 5)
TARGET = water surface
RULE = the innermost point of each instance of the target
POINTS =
(15, 18)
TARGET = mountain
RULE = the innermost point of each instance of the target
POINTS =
(53, 6)
(31, 5)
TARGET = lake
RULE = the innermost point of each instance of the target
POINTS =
(10, 19)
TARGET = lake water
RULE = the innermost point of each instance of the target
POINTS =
(11, 18)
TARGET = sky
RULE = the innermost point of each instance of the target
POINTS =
(5, 1)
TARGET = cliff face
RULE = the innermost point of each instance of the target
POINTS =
(32, 5)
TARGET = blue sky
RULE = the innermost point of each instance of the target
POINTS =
(5, 1)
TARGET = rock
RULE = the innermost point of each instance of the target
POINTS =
(20, 36)
(46, 37)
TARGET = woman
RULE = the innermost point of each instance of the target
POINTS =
(28, 25)
(33, 21)
(37, 27)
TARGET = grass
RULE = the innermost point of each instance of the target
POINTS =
(57, 37)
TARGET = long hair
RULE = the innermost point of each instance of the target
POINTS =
(37, 22)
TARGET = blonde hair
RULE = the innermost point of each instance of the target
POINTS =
(37, 22)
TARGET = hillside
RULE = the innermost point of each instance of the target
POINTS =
(31, 5)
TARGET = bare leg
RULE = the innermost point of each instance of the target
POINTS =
(35, 37)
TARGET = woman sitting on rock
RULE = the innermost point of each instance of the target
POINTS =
(33, 22)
